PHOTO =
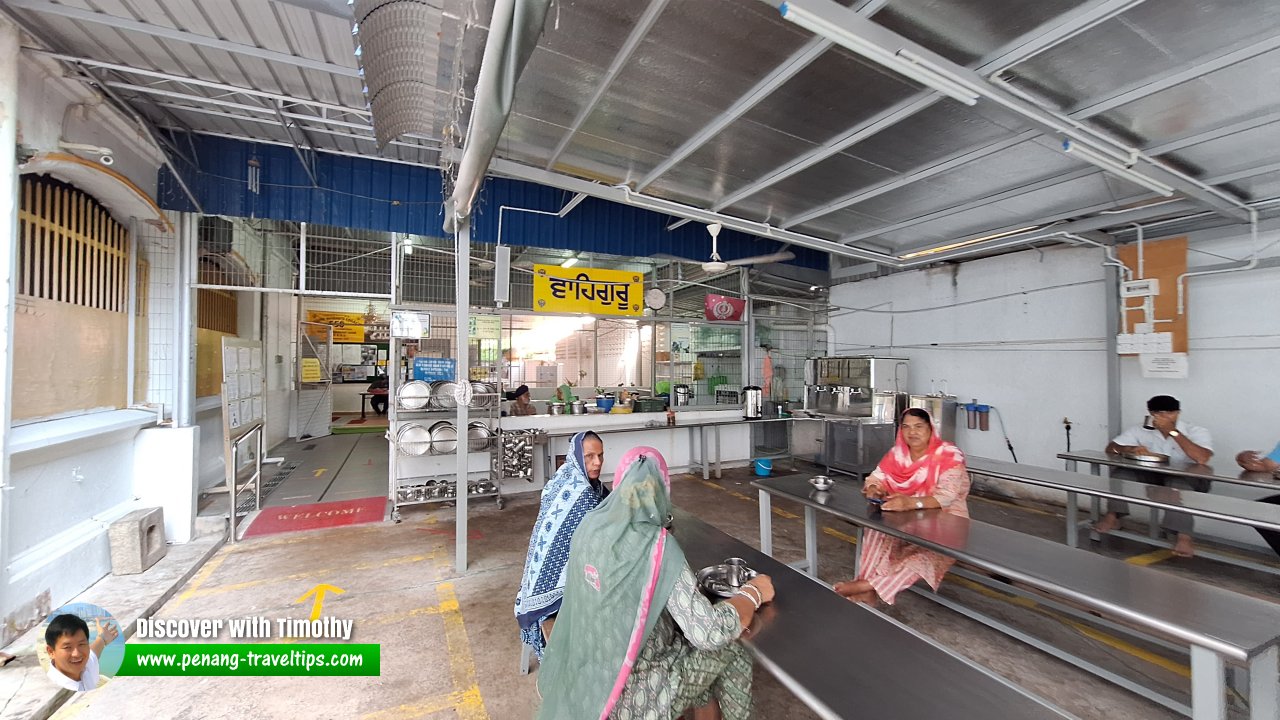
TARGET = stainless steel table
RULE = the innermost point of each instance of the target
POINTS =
(1192, 471)
(1206, 505)
(1217, 624)
(811, 639)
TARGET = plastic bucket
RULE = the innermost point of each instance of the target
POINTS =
(605, 404)
(764, 466)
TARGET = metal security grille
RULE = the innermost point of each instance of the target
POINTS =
(156, 372)
(315, 380)
(788, 339)
(70, 249)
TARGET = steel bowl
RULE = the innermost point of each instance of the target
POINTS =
(821, 482)
(1148, 458)
(725, 579)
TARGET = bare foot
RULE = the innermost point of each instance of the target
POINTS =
(1109, 522)
(866, 598)
(1184, 547)
(852, 587)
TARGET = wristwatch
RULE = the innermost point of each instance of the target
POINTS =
(1174, 433)
(919, 504)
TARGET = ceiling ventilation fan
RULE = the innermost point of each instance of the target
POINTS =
(717, 265)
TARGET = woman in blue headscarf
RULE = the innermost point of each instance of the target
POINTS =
(575, 490)
(636, 640)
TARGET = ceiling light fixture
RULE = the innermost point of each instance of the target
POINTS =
(822, 19)
(967, 243)
(1115, 168)
(569, 261)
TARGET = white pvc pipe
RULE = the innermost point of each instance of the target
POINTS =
(1251, 264)
(8, 263)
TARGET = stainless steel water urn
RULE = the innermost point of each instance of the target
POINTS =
(683, 394)
(753, 403)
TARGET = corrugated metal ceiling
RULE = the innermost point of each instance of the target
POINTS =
(839, 148)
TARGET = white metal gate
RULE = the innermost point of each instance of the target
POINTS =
(315, 380)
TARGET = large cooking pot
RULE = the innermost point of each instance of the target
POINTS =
(442, 395)
(444, 438)
(413, 439)
(556, 408)
(414, 395)
(752, 403)
(577, 407)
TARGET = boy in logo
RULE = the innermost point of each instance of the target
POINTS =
(73, 660)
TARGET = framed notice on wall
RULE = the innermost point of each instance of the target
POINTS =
(587, 290)
(243, 384)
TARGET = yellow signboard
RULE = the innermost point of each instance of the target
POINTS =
(348, 327)
(587, 290)
(311, 370)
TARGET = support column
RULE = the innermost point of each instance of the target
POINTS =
(1114, 400)
(184, 318)
(8, 266)
(462, 300)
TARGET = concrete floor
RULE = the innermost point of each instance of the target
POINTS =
(449, 643)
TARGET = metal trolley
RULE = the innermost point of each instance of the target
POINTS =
(424, 440)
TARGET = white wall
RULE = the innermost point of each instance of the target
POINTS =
(71, 477)
(1038, 354)
(53, 108)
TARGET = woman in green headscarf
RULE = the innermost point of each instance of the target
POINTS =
(635, 639)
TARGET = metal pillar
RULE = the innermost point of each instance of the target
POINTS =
(1208, 685)
(184, 318)
(131, 292)
(1114, 400)
(462, 300)
(8, 264)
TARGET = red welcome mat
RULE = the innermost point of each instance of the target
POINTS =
(274, 520)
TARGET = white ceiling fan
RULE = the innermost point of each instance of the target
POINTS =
(717, 265)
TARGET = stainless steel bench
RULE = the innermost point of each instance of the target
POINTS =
(1206, 505)
(809, 637)
(1219, 626)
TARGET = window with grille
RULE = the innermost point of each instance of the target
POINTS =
(71, 318)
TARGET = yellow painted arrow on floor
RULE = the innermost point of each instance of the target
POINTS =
(321, 471)
(319, 592)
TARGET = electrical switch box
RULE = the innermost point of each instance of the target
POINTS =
(1148, 287)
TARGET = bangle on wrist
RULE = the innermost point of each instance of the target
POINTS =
(750, 597)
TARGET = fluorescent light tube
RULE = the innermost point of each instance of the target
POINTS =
(1122, 171)
(569, 262)
(819, 23)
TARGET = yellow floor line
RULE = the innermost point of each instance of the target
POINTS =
(200, 578)
(842, 536)
(1150, 558)
(1087, 631)
(461, 664)
(1015, 506)
(407, 559)
(430, 706)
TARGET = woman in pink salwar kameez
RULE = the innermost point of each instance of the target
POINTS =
(921, 472)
